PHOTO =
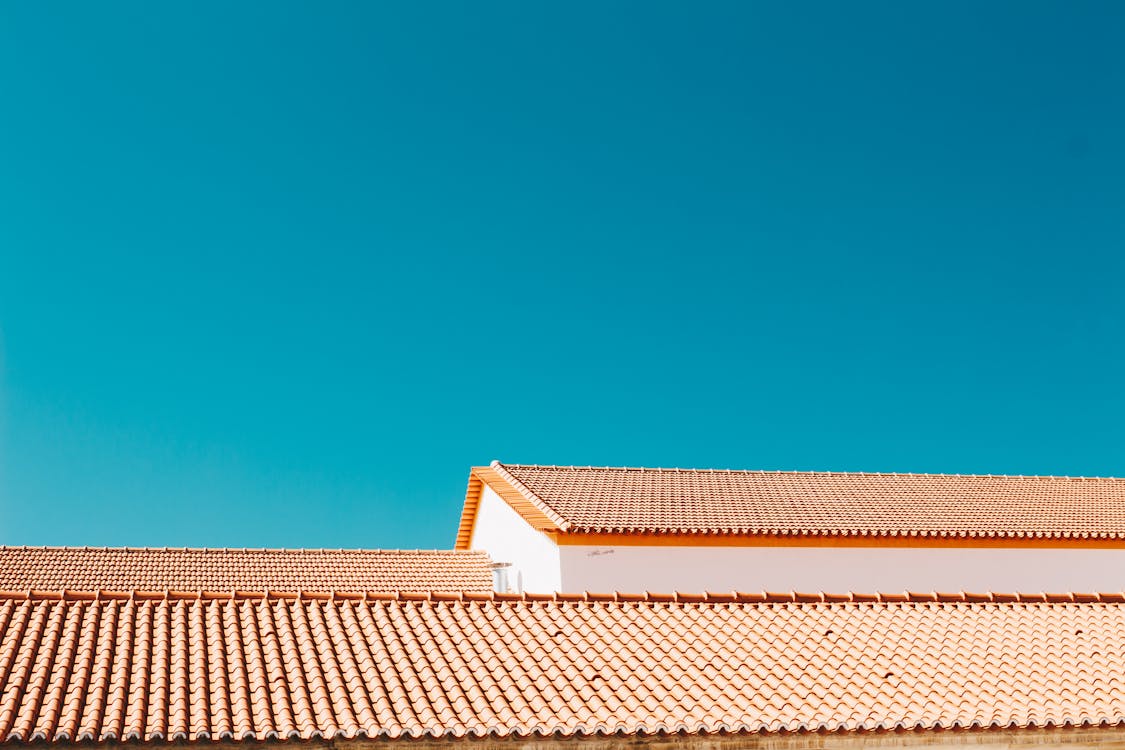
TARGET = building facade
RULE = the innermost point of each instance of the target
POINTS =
(600, 529)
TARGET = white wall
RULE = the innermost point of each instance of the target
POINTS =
(507, 537)
(839, 569)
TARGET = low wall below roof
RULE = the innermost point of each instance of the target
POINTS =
(1103, 738)
(1111, 738)
(840, 569)
(507, 538)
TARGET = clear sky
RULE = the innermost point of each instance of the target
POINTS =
(279, 274)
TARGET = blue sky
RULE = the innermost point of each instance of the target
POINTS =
(279, 274)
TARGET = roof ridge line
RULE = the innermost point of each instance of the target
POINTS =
(679, 597)
(576, 530)
(534, 499)
(233, 550)
(797, 472)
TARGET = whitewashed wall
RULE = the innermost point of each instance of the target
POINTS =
(838, 569)
(507, 538)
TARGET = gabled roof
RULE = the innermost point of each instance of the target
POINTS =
(526, 503)
(190, 667)
(156, 569)
(584, 500)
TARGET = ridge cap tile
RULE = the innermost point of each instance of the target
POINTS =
(619, 597)
(807, 472)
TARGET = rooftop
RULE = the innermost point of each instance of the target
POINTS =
(165, 667)
(147, 568)
(587, 499)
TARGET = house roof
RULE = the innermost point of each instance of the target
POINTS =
(197, 667)
(156, 569)
(573, 500)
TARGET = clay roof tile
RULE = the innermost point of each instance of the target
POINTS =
(43, 572)
(184, 667)
(639, 501)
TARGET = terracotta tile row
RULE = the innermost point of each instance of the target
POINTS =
(124, 568)
(199, 669)
(677, 597)
(701, 501)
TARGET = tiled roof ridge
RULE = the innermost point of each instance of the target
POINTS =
(237, 550)
(780, 532)
(795, 472)
(707, 597)
(533, 498)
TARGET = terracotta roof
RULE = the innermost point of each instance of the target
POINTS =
(584, 499)
(197, 667)
(92, 568)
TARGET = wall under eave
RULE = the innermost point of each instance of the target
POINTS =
(839, 569)
(507, 538)
(1006, 739)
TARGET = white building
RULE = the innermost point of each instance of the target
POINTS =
(573, 529)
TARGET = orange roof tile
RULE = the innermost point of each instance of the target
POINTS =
(92, 568)
(579, 499)
(199, 667)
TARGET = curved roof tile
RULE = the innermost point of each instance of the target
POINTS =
(155, 569)
(195, 668)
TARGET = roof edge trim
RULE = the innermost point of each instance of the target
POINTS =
(540, 504)
(643, 537)
(229, 550)
(679, 597)
(469, 512)
(522, 500)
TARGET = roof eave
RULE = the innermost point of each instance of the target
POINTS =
(530, 507)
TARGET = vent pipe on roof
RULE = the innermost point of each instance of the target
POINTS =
(503, 581)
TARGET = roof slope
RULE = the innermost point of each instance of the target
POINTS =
(124, 568)
(694, 501)
(175, 667)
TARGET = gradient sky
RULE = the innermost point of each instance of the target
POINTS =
(279, 274)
